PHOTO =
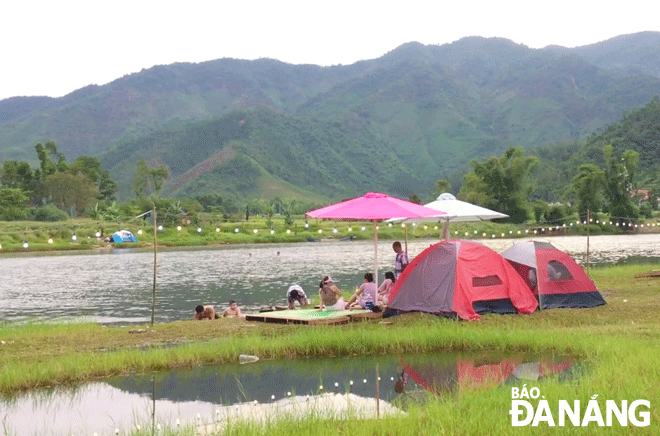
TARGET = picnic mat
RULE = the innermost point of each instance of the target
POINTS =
(312, 316)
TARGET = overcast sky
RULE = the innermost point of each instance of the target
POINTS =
(55, 47)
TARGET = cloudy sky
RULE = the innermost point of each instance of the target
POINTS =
(55, 47)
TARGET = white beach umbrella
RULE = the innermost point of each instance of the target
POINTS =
(456, 210)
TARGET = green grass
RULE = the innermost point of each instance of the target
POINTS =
(617, 342)
(215, 232)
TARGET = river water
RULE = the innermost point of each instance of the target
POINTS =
(116, 287)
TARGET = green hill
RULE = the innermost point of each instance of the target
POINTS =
(264, 153)
(396, 123)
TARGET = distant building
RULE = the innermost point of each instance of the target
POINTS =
(643, 195)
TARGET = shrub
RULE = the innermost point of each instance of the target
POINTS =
(49, 212)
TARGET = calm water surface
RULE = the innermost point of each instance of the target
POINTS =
(116, 287)
(215, 393)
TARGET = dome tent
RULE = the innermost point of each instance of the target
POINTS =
(460, 278)
(553, 276)
(123, 236)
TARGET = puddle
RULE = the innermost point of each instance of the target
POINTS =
(208, 396)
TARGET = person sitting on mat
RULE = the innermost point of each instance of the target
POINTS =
(385, 288)
(330, 296)
(296, 293)
(205, 312)
(233, 311)
(365, 295)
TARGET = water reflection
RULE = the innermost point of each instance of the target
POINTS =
(213, 394)
(116, 287)
(467, 374)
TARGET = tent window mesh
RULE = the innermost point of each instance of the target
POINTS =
(486, 281)
(557, 271)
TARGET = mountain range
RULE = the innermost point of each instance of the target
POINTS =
(396, 123)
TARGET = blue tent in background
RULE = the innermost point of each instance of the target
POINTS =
(123, 236)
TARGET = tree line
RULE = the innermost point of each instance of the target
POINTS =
(505, 183)
(55, 186)
(56, 190)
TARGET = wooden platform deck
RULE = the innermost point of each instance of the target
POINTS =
(654, 273)
(313, 316)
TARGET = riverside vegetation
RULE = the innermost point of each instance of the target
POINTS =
(210, 230)
(618, 343)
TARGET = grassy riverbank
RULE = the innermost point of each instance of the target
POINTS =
(619, 342)
(86, 234)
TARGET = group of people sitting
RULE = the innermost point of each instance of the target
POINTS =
(366, 296)
(208, 312)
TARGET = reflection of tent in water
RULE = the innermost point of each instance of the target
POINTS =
(553, 276)
(123, 236)
(447, 377)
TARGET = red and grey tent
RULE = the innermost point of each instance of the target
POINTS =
(460, 278)
(553, 276)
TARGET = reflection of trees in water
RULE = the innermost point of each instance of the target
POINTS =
(441, 374)
(229, 384)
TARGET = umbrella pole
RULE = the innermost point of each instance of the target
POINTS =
(376, 253)
(405, 231)
(445, 230)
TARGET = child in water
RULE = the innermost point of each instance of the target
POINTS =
(233, 311)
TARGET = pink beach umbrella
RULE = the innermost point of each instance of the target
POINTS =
(374, 206)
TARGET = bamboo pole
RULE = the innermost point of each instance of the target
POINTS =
(376, 253)
(153, 294)
(588, 222)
